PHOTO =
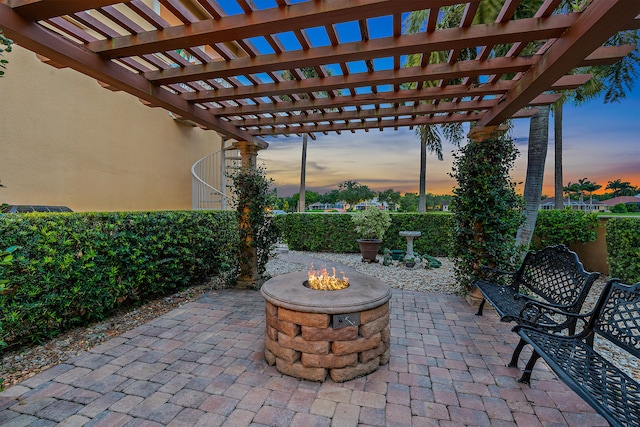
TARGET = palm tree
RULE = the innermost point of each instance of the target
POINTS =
(431, 136)
(582, 183)
(613, 81)
(620, 188)
(570, 190)
(537, 153)
(308, 72)
(303, 175)
(590, 187)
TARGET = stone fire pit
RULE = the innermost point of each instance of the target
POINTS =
(311, 334)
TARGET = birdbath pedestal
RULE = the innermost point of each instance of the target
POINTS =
(410, 235)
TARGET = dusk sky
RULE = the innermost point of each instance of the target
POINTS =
(601, 143)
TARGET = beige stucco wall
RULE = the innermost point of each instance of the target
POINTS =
(64, 140)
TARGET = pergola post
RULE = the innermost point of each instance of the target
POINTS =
(478, 135)
(248, 256)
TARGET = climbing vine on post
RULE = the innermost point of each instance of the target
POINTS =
(487, 210)
(257, 231)
(5, 46)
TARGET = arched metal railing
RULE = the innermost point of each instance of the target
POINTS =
(210, 187)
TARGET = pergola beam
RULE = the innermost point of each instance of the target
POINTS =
(376, 124)
(387, 77)
(260, 22)
(522, 30)
(426, 94)
(593, 28)
(443, 107)
(36, 10)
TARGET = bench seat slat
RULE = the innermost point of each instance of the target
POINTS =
(509, 307)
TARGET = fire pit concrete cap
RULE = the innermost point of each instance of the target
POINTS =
(364, 292)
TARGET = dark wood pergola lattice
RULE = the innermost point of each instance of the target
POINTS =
(220, 63)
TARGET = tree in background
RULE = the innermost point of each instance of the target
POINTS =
(621, 188)
(390, 197)
(431, 136)
(353, 193)
(570, 190)
(307, 72)
(409, 202)
(590, 187)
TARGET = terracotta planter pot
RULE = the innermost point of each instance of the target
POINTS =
(369, 249)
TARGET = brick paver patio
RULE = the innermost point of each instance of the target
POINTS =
(202, 365)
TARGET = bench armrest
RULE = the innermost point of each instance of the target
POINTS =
(534, 310)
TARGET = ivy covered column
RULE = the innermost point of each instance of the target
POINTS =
(244, 184)
(481, 135)
(487, 211)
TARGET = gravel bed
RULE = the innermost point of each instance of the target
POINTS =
(396, 275)
(21, 363)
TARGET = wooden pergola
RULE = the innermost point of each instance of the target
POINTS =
(242, 70)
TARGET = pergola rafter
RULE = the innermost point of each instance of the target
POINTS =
(222, 64)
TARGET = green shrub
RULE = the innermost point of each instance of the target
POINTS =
(619, 208)
(436, 232)
(335, 233)
(623, 248)
(565, 226)
(319, 232)
(6, 259)
(76, 268)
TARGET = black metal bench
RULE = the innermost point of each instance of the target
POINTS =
(553, 277)
(604, 386)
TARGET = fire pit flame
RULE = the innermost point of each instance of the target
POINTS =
(321, 280)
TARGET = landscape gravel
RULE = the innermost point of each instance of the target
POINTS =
(24, 362)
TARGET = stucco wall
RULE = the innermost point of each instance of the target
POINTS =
(64, 140)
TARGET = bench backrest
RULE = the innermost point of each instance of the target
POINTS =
(556, 274)
(617, 316)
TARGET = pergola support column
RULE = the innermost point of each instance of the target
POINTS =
(478, 135)
(247, 252)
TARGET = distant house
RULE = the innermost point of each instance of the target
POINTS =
(549, 204)
(375, 203)
(339, 206)
(625, 200)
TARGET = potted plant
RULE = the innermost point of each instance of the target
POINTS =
(370, 225)
(410, 261)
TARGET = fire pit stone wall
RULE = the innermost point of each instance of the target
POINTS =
(302, 342)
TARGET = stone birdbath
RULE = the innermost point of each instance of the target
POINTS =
(410, 235)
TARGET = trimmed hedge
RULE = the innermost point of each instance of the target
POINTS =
(72, 269)
(623, 248)
(565, 226)
(332, 232)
